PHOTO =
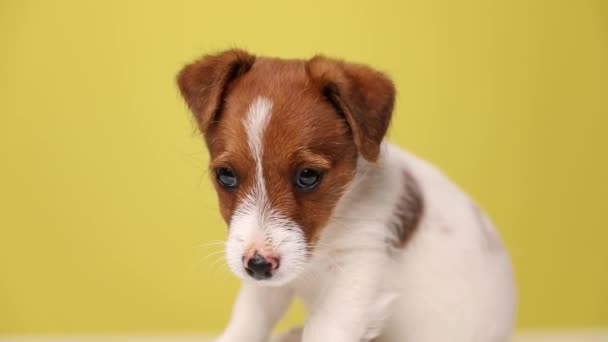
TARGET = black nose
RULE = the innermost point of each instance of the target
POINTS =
(258, 267)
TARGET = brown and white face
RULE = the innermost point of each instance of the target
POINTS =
(284, 137)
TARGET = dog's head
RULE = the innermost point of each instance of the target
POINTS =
(284, 137)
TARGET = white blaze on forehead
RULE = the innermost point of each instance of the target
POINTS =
(256, 120)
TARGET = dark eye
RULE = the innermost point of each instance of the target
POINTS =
(308, 179)
(226, 178)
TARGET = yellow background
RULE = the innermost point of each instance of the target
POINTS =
(105, 207)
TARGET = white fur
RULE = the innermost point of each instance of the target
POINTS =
(451, 283)
(254, 222)
(256, 120)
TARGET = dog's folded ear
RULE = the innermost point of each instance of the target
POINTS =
(204, 83)
(363, 96)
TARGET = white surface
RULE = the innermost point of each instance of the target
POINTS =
(566, 336)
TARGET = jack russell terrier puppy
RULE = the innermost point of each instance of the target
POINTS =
(377, 243)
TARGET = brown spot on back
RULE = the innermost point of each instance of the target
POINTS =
(407, 212)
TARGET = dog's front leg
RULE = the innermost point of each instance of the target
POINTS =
(347, 311)
(256, 311)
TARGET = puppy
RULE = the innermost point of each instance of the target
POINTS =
(377, 243)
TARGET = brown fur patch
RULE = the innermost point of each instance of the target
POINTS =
(205, 83)
(365, 97)
(407, 213)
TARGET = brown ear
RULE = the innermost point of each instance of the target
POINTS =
(364, 97)
(204, 83)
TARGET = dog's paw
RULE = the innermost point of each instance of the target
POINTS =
(293, 335)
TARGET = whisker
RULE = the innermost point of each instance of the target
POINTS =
(212, 254)
(210, 243)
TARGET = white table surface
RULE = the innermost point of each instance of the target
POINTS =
(537, 336)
